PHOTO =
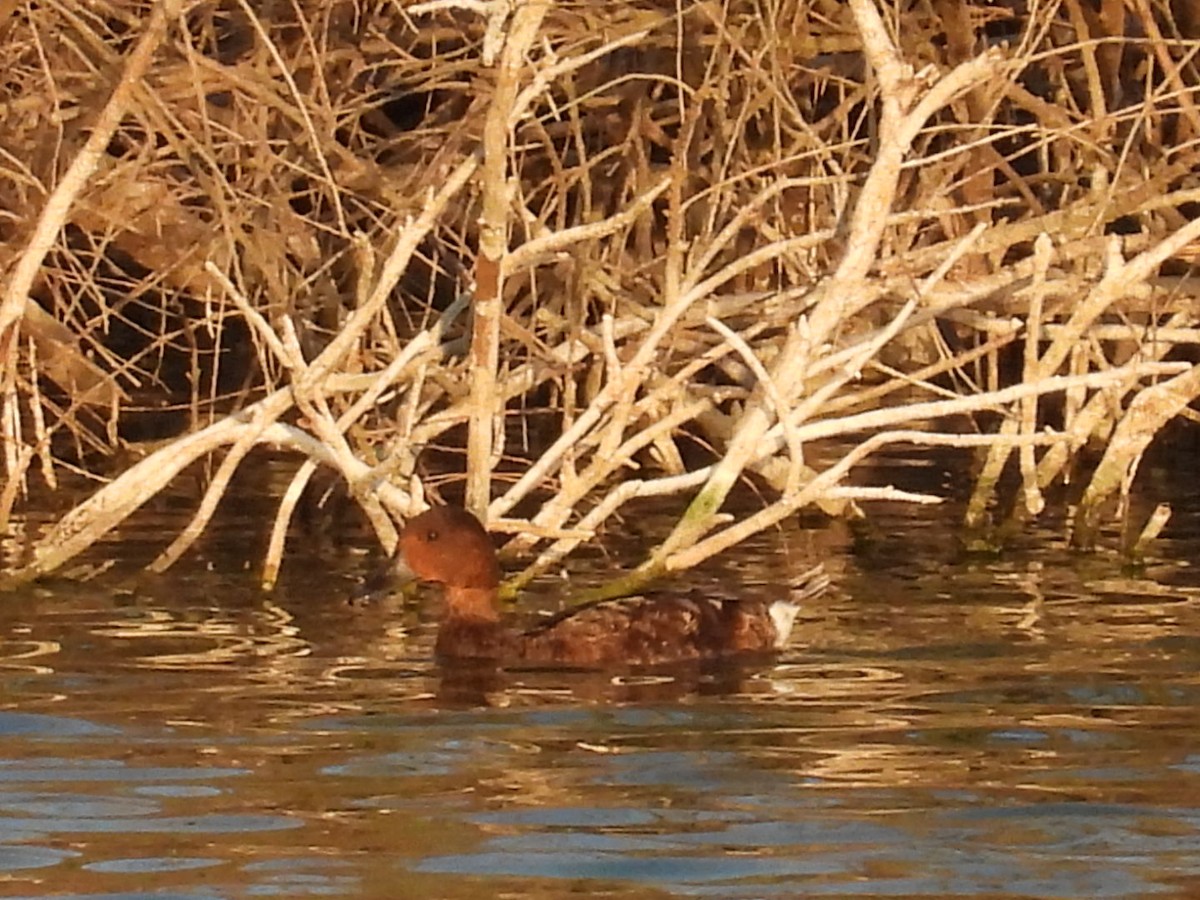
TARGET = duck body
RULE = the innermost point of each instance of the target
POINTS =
(448, 545)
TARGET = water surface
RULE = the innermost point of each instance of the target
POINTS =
(1022, 726)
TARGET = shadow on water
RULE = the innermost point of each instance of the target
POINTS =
(1018, 727)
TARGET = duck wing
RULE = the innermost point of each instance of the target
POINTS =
(663, 628)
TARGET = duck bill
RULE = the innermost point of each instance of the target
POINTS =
(386, 580)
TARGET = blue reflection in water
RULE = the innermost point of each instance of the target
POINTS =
(202, 824)
(13, 724)
(1081, 856)
(152, 864)
(50, 769)
(74, 805)
(24, 856)
(766, 835)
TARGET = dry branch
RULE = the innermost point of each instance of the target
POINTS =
(684, 266)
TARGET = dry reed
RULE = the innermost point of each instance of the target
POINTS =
(693, 238)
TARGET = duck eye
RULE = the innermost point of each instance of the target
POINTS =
(431, 535)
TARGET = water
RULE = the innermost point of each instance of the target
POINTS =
(1017, 727)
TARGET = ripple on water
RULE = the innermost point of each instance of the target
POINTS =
(14, 724)
(152, 864)
(1009, 728)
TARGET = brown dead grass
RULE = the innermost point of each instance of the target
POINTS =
(693, 237)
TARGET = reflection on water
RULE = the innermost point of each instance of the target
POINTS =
(1010, 728)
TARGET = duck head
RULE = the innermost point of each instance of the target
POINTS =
(447, 545)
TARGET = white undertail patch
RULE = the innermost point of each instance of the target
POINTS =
(783, 615)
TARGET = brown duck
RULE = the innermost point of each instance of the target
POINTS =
(448, 546)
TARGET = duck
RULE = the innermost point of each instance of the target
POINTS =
(448, 546)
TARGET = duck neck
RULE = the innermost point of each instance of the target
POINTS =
(474, 604)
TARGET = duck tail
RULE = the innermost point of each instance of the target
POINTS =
(805, 586)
